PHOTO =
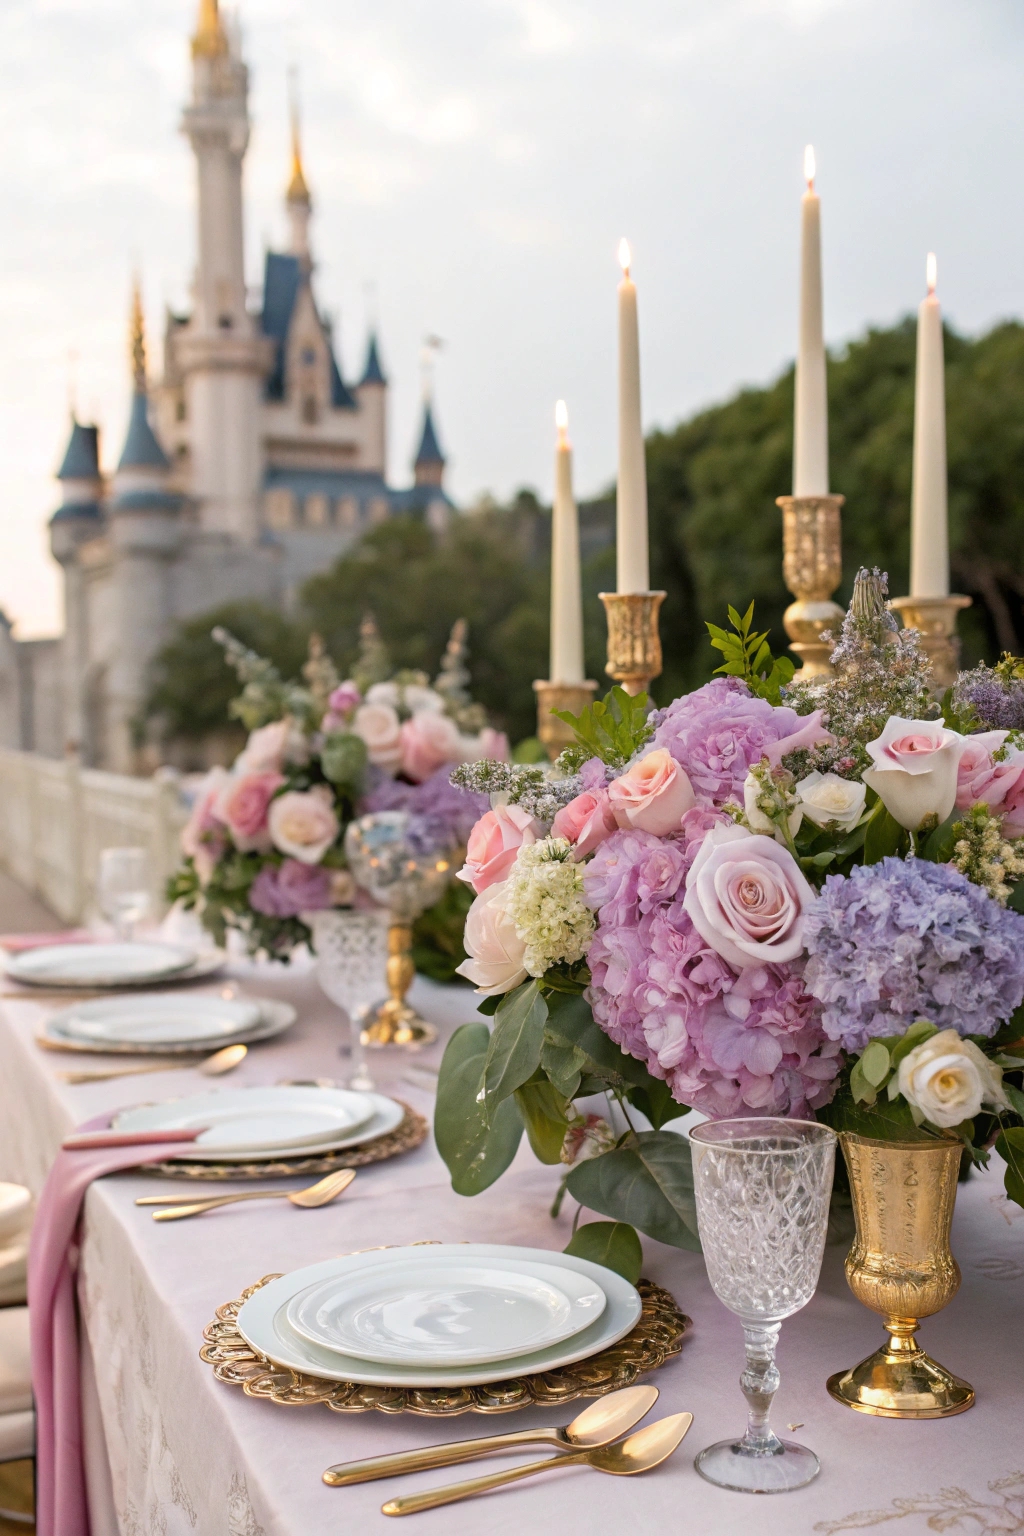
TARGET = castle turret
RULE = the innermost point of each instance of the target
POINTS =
(298, 202)
(220, 353)
(428, 466)
(372, 394)
(77, 520)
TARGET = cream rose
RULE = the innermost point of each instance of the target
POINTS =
(915, 769)
(946, 1080)
(825, 797)
(652, 796)
(303, 824)
(746, 897)
(381, 730)
(496, 952)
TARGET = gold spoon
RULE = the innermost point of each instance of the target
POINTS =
(321, 1193)
(598, 1424)
(639, 1453)
(225, 1060)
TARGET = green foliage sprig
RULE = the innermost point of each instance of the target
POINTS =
(748, 656)
(613, 728)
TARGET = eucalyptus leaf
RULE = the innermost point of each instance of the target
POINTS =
(475, 1151)
(611, 1243)
(564, 1065)
(875, 1063)
(647, 1182)
(543, 1110)
(1010, 1146)
(656, 1102)
(513, 1055)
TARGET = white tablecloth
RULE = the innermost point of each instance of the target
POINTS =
(171, 1452)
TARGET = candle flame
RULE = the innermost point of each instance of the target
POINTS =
(624, 256)
(809, 165)
(931, 271)
(561, 421)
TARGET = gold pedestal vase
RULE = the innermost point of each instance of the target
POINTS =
(396, 1022)
(901, 1266)
(812, 568)
(573, 697)
(935, 619)
(634, 644)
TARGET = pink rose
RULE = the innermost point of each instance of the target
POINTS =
(495, 950)
(915, 769)
(265, 750)
(379, 726)
(428, 741)
(345, 698)
(811, 734)
(746, 897)
(303, 824)
(1012, 805)
(652, 796)
(586, 822)
(494, 843)
(202, 836)
(979, 778)
(492, 746)
(242, 806)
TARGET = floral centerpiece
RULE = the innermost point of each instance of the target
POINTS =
(772, 897)
(264, 843)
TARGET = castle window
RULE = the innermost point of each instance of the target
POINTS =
(378, 510)
(308, 356)
(279, 508)
(310, 410)
(316, 510)
(348, 512)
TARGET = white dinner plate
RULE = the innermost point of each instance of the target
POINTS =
(437, 1309)
(256, 1121)
(159, 1018)
(263, 1322)
(383, 1115)
(99, 965)
(273, 1018)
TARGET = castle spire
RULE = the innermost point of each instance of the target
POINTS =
(138, 338)
(210, 40)
(298, 202)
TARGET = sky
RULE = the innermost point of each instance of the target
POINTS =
(473, 165)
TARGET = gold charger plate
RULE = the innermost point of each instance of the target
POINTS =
(407, 1135)
(657, 1337)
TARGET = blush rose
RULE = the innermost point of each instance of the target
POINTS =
(202, 837)
(493, 845)
(585, 822)
(428, 741)
(746, 897)
(652, 796)
(242, 805)
(303, 824)
(381, 730)
(496, 952)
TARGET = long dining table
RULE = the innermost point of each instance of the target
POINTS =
(171, 1451)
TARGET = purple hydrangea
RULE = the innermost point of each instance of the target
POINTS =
(726, 1044)
(290, 888)
(442, 815)
(717, 732)
(907, 939)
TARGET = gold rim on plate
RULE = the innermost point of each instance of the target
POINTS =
(407, 1135)
(657, 1337)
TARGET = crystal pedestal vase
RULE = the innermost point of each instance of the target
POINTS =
(901, 1266)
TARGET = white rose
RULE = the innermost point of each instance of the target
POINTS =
(380, 728)
(495, 950)
(826, 797)
(303, 824)
(946, 1080)
(757, 821)
(915, 769)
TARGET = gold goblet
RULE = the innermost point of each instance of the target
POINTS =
(901, 1266)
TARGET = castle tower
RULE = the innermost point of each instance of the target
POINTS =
(298, 202)
(428, 466)
(78, 519)
(219, 352)
(372, 394)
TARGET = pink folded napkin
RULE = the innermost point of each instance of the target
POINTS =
(61, 1507)
(84, 1141)
(18, 943)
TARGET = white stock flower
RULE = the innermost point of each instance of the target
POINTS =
(826, 797)
(947, 1079)
(760, 788)
(544, 898)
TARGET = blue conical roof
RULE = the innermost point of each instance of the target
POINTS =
(141, 449)
(373, 373)
(430, 449)
(82, 459)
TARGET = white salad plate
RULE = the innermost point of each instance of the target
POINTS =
(263, 1320)
(99, 965)
(437, 1309)
(272, 1018)
(261, 1105)
(159, 1019)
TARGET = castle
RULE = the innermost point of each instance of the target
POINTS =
(251, 465)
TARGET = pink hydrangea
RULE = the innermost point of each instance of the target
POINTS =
(726, 1043)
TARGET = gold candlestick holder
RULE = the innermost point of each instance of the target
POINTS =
(634, 644)
(396, 1022)
(812, 568)
(574, 697)
(935, 618)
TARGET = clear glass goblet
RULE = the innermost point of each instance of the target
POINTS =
(351, 961)
(122, 888)
(762, 1189)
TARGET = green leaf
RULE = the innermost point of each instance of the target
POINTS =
(647, 1182)
(875, 1064)
(343, 759)
(883, 1120)
(543, 1110)
(1015, 1097)
(1010, 1146)
(938, 845)
(563, 1064)
(861, 1090)
(1015, 900)
(476, 1152)
(884, 836)
(611, 1243)
(612, 728)
(656, 1102)
(516, 1039)
(920, 1030)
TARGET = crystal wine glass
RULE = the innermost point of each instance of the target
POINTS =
(762, 1188)
(122, 888)
(351, 960)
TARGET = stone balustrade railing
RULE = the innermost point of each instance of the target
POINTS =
(55, 816)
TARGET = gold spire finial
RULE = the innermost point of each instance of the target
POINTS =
(298, 191)
(138, 338)
(210, 41)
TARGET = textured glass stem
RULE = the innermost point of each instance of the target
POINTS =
(760, 1382)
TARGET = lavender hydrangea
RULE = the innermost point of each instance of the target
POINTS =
(725, 1044)
(907, 939)
(290, 888)
(442, 815)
